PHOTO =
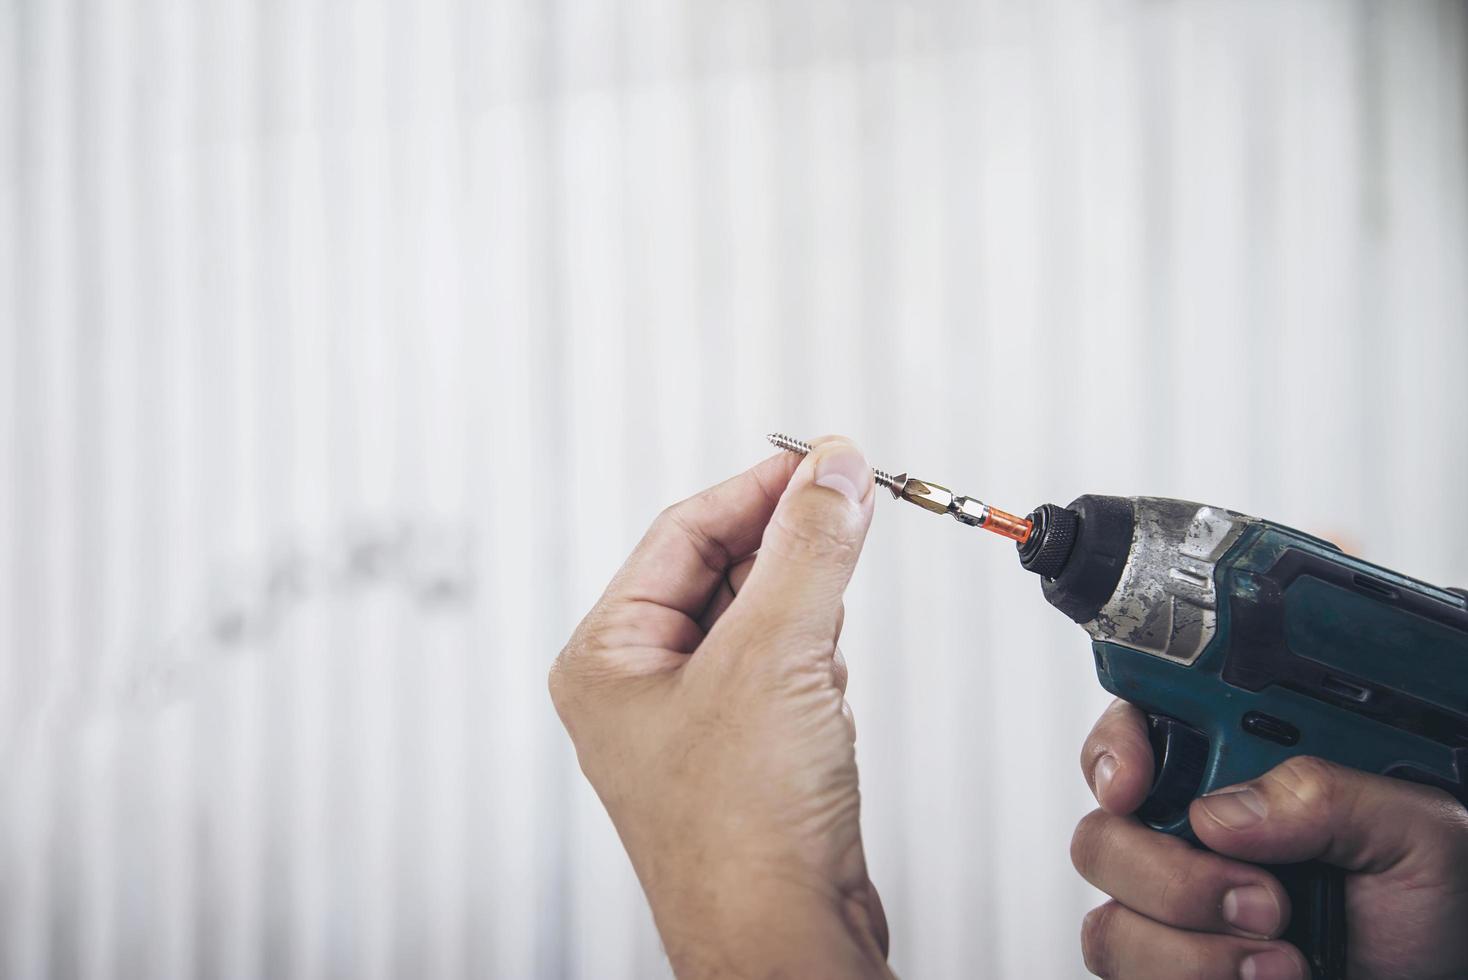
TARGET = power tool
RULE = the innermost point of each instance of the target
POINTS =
(1247, 642)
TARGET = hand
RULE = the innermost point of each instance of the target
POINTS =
(705, 696)
(1179, 911)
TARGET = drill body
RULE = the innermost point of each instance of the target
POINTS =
(1248, 642)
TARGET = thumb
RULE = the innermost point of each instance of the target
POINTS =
(1306, 808)
(809, 548)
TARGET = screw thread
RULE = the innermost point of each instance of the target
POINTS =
(793, 445)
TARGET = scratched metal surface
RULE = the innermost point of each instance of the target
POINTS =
(346, 348)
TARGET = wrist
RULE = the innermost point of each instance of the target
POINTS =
(767, 929)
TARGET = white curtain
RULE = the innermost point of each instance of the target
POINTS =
(346, 347)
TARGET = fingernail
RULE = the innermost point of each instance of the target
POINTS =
(1252, 909)
(1106, 767)
(840, 466)
(1235, 809)
(1270, 965)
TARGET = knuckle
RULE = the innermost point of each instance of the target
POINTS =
(559, 685)
(802, 671)
(561, 682)
(710, 551)
(824, 673)
(1175, 899)
(588, 634)
(1455, 829)
(1097, 944)
(1086, 842)
(1197, 962)
(581, 666)
(665, 519)
(841, 674)
(1308, 783)
(670, 510)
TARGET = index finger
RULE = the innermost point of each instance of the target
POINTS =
(691, 546)
(1117, 758)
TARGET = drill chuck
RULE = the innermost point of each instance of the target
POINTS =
(1051, 540)
(1079, 552)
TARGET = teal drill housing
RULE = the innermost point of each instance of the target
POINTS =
(1247, 643)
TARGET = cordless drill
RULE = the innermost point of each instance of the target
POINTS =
(1248, 642)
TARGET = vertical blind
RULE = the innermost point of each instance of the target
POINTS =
(346, 347)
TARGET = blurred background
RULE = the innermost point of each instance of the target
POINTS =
(347, 347)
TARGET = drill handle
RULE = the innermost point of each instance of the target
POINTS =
(1250, 643)
(1317, 891)
(1318, 921)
